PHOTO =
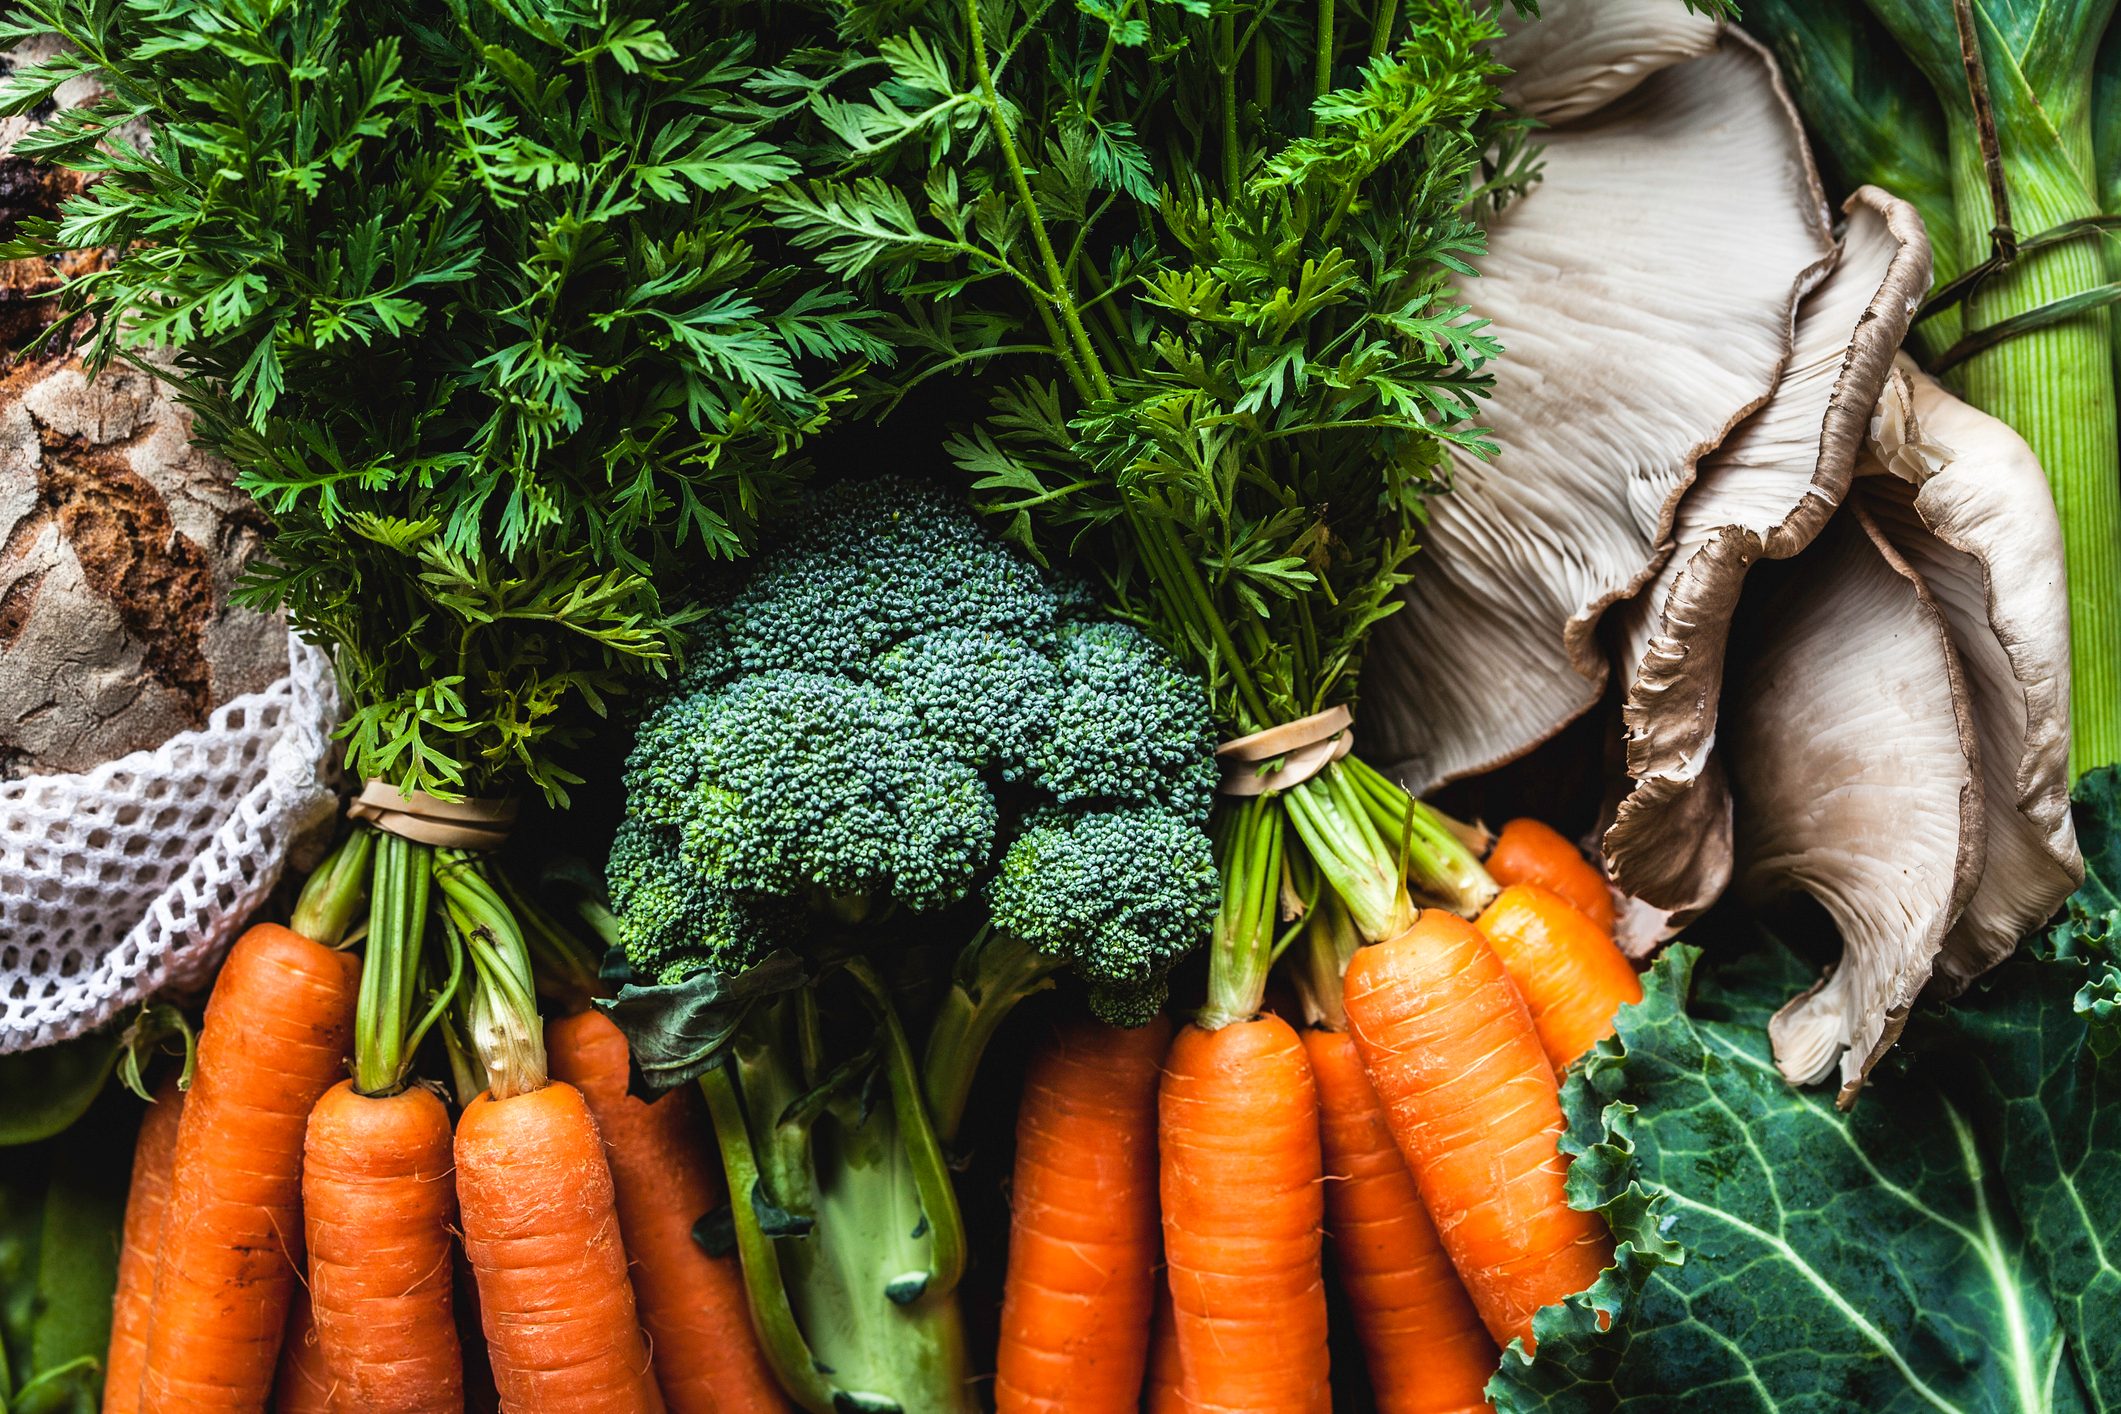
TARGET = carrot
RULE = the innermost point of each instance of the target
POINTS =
(1243, 1205)
(692, 1305)
(146, 1210)
(1571, 976)
(1083, 1236)
(1427, 1350)
(1166, 1392)
(303, 1385)
(541, 1229)
(377, 1208)
(1532, 852)
(276, 1036)
(1473, 1103)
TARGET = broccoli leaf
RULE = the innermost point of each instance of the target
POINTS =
(1951, 1244)
(675, 1031)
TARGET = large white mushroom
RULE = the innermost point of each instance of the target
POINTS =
(1853, 760)
(1965, 502)
(1643, 320)
(1764, 494)
(1693, 388)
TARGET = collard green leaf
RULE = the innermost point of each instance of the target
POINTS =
(676, 1030)
(1954, 1243)
(1830, 1261)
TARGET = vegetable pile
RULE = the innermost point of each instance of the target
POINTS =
(901, 571)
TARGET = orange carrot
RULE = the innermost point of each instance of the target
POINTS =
(1083, 1236)
(1427, 1350)
(707, 1359)
(1571, 976)
(1473, 1103)
(303, 1385)
(1243, 1205)
(1531, 852)
(1166, 1392)
(541, 1229)
(277, 1031)
(146, 1209)
(378, 1207)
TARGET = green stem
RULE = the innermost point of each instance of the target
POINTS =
(397, 922)
(1322, 59)
(1250, 844)
(994, 974)
(2055, 387)
(1381, 30)
(772, 1316)
(1226, 68)
(335, 894)
(1433, 852)
(1331, 941)
(502, 1017)
(931, 1171)
(1005, 140)
(1337, 830)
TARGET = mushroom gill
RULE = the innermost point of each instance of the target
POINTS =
(1764, 494)
(1963, 499)
(1853, 770)
(1643, 321)
(1577, 56)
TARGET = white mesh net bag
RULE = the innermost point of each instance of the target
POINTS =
(134, 876)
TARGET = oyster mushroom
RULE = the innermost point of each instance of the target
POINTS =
(1964, 500)
(1576, 56)
(1764, 494)
(1853, 765)
(1643, 322)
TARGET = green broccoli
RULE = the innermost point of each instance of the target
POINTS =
(894, 729)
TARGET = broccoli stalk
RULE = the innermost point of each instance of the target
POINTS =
(850, 1240)
(893, 728)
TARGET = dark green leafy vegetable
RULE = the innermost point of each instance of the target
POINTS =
(468, 295)
(1944, 1246)
(45, 1090)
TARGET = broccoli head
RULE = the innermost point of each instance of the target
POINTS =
(891, 705)
(1131, 726)
(1118, 896)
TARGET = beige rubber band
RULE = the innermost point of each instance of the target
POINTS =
(427, 819)
(1302, 748)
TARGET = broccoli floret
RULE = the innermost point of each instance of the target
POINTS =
(870, 565)
(1001, 723)
(1119, 896)
(784, 783)
(1132, 726)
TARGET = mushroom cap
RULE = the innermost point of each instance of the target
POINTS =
(1643, 319)
(1854, 772)
(1764, 494)
(1964, 500)
(1576, 56)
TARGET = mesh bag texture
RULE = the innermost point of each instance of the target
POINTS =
(134, 876)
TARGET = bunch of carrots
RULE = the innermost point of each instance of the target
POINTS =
(298, 1217)
(1414, 1121)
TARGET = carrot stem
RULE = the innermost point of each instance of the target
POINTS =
(502, 1018)
(389, 972)
(335, 894)
(1250, 852)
